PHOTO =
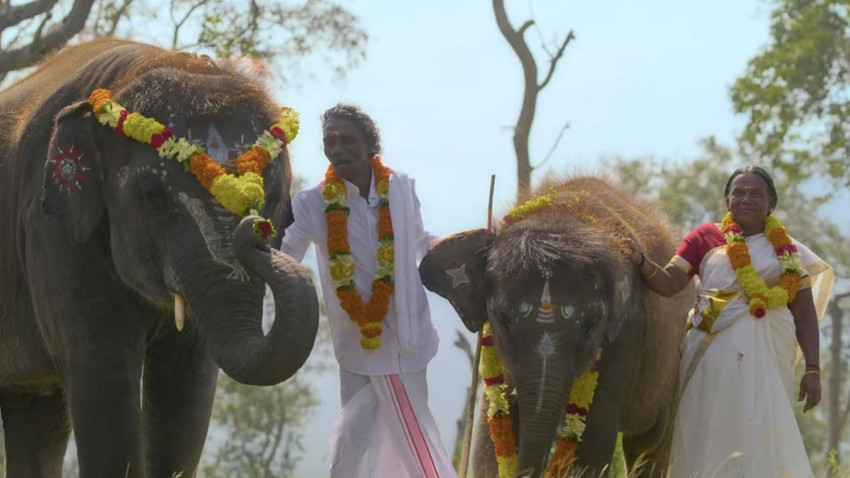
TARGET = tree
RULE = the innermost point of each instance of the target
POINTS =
(795, 92)
(263, 425)
(532, 89)
(278, 32)
(691, 199)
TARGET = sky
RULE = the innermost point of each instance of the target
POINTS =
(641, 79)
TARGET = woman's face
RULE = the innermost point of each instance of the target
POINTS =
(749, 201)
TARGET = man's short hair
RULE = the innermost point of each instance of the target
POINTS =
(363, 121)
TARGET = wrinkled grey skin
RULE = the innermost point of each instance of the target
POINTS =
(599, 303)
(92, 256)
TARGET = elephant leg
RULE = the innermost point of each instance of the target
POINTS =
(648, 454)
(36, 432)
(596, 449)
(103, 386)
(179, 387)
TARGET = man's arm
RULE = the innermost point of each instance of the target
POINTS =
(297, 237)
(423, 238)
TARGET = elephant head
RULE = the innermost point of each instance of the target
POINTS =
(554, 294)
(165, 235)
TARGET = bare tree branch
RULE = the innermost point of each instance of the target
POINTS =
(553, 61)
(554, 146)
(118, 15)
(56, 37)
(19, 13)
(531, 90)
(179, 23)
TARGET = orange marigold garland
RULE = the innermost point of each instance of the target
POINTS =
(243, 193)
(501, 425)
(762, 298)
(368, 316)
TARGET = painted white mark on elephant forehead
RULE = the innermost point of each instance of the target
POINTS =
(546, 345)
(568, 311)
(458, 276)
(625, 287)
(212, 238)
(525, 308)
(547, 312)
(215, 145)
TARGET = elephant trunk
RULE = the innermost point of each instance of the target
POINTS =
(234, 329)
(542, 395)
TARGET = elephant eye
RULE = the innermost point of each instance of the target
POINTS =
(567, 311)
(157, 194)
(525, 309)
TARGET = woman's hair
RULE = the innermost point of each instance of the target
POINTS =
(363, 121)
(758, 171)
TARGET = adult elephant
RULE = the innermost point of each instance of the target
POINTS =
(561, 297)
(101, 236)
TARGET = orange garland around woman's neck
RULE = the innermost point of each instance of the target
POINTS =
(368, 316)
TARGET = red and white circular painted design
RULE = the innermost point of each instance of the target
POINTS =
(68, 168)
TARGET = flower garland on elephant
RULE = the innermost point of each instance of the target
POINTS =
(762, 298)
(369, 316)
(242, 193)
(501, 424)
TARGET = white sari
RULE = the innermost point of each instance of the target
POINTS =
(735, 416)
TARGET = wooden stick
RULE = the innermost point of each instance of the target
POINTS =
(473, 387)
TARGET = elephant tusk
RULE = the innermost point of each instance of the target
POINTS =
(179, 312)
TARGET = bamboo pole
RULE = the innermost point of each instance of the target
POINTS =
(473, 387)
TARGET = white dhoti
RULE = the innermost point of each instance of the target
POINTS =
(385, 429)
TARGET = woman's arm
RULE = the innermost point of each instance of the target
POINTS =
(666, 281)
(806, 323)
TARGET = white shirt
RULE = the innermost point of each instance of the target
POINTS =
(409, 340)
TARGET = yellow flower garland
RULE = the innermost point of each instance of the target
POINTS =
(501, 425)
(240, 194)
(762, 298)
(368, 316)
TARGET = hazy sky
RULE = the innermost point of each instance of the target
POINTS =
(641, 78)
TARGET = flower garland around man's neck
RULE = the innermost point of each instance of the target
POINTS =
(499, 415)
(762, 298)
(371, 315)
(242, 193)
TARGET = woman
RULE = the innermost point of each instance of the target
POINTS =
(754, 296)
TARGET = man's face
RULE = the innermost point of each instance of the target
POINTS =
(345, 147)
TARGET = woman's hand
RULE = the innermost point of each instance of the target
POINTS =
(810, 390)
(632, 249)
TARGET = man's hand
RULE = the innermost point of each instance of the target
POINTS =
(810, 390)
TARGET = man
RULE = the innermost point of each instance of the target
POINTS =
(365, 222)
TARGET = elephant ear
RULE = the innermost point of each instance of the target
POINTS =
(455, 269)
(72, 187)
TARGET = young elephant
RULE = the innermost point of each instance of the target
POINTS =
(103, 236)
(558, 292)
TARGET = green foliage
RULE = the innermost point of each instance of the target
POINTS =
(795, 92)
(263, 426)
